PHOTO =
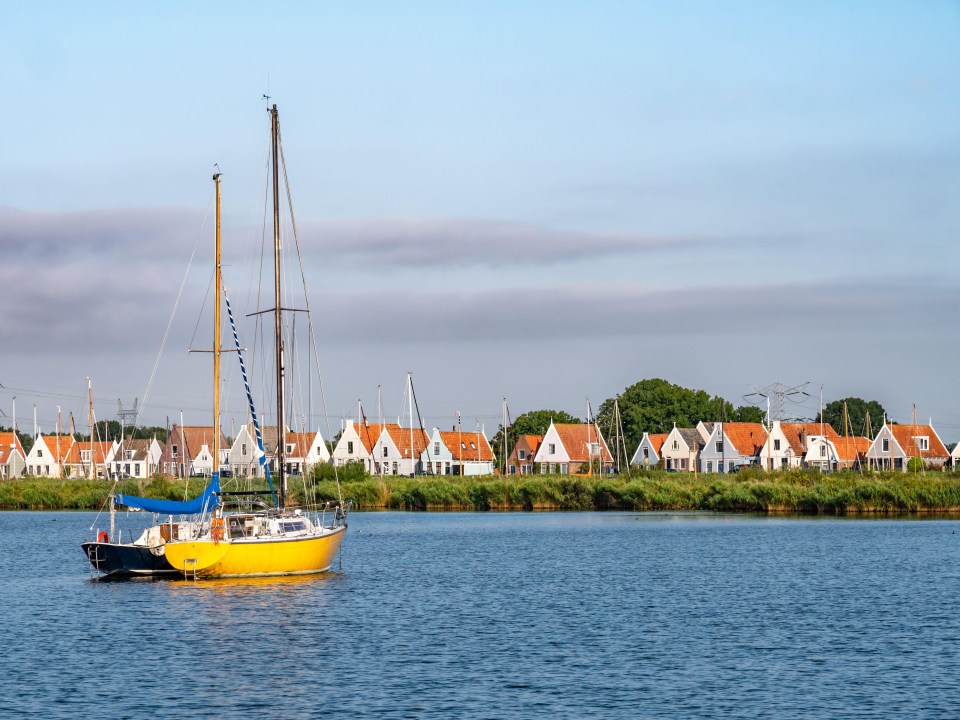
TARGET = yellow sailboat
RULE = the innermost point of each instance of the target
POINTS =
(274, 540)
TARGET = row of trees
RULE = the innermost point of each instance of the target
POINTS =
(655, 406)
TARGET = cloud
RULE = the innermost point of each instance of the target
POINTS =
(435, 242)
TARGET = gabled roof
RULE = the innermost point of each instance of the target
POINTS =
(369, 433)
(691, 436)
(196, 436)
(465, 448)
(850, 448)
(302, 442)
(532, 442)
(400, 436)
(904, 435)
(6, 440)
(747, 438)
(50, 441)
(657, 440)
(140, 450)
(100, 451)
(575, 438)
(794, 431)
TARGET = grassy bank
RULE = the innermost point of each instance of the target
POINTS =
(795, 491)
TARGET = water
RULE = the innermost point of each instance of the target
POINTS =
(492, 616)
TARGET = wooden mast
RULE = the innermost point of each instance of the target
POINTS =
(277, 312)
(216, 342)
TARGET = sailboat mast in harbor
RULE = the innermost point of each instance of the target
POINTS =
(216, 342)
(277, 311)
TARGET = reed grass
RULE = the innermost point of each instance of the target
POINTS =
(790, 491)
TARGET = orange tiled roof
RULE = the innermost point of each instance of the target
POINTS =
(6, 440)
(575, 438)
(793, 431)
(657, 441)
(401, 438)
(904, 435)
(100, 451)
(370, 432)
(66, 442)
(747, 438)
(301, 442)
(850, 448)
(455, 442)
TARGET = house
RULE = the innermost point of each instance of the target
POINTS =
(681, 449)
(356, 445)
(731, 445)
(787, 443)
(955, 456)
(570, 448)
(89, 460)
(836, 453)
(894, 445)
(470, 452)
(46, 457)
(648, 451)
(437, 457)
(12, 457)
(520, 460)
(305, 450)
(398, 450)
(189, 451)
(136, 458)
(243, 457)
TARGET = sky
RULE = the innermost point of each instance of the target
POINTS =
(545, 202)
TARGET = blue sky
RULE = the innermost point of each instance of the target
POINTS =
(543, 201)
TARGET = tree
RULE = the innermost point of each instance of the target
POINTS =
(655, 406)
(857, 409)
(534, 422)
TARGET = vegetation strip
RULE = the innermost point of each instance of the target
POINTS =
(792, 491)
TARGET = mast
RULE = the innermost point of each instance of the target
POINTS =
(90, 395)
(410, 398)
(277, 311)
(216, 343)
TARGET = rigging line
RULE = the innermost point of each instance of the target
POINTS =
(200, 314)
(166, 334)
(311, 334)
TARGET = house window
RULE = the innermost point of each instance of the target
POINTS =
(436, 448)
(823, 451)
(85, 455)
(709, 465)
(472, 446)
(463, 446)
(646, 453)
(776, 444)
(594, 448)
(39, 453)
(174, 451)
(289, 448)
(886, 445)
(676, 446)
(551, 448)
(349, 447)
(385, 452)
(731, 466)
(522, 454)
(719, 445)
(243, 449)
(922, 441)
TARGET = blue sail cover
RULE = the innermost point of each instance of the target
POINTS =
(206, 500)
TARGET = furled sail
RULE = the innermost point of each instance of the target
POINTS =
(208, 499)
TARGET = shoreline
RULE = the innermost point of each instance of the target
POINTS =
(790, 492)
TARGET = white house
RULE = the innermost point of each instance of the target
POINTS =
(356, 445)
(570, 448)
(12, 457)
(136, 458)
(437, 458)
(398, 450)
(47, 455)
(895, 445)
(732, 445)
(955, 456)
(829, 453)
(304, 451)
(648, 451)
(681, 449)
(470, 452)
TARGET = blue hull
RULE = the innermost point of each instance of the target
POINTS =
(126, 560)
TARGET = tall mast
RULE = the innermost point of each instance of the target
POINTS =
(277, 312)
(90, 395)
(216, 343)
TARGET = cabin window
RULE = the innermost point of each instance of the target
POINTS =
(776, 444)
(719, 445)
(922, 441)
(886, 445)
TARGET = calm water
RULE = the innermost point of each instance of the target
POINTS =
(492, 616)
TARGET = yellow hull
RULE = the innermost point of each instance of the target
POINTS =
(255, 557)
